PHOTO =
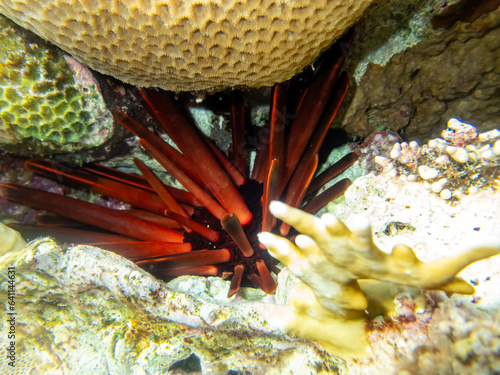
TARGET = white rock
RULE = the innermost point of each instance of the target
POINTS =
(496, 148)
(428, 173)
(439, 185)
(458, 154)
(484, 148)
(445, 194)
(454, 123)
(412, 177)
(462, 127)
(437, 144)
(443, 159)
(489, 136)
(414, 146)
(396, 151)
(473, 190)
(381, 160)
(392, 138)
(488, 155)
(393, 173)
(473, 157)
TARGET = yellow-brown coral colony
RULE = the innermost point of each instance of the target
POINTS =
(333, 262)
(190, 45)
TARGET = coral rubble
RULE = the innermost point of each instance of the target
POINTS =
(459, 163)
(48, 102)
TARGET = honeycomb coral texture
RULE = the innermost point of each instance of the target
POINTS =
(190, 45)
(43, 109)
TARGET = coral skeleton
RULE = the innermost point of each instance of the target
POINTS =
(11, 243)
(333, 262)
(11, 240)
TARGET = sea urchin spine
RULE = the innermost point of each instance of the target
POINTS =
(222, 229)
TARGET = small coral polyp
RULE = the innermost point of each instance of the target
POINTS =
(212, 228)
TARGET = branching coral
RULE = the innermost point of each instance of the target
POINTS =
(331, 259)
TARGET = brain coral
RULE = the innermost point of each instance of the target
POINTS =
(48, 104)
(190, 44)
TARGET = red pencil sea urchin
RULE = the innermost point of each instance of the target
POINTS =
(212, 229)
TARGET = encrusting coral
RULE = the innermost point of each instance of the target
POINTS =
(333, 262)
(190, 45)
(49, 103)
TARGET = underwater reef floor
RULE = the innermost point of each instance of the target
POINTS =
(83, 308)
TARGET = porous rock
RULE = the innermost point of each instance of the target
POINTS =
(453, 73)
(437, 335)
(85, 310)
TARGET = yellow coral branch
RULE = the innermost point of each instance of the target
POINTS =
(11, 243)
(330, 253)
(329, 258)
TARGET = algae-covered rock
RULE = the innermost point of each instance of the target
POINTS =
(83, 310)
(49, 103)
(453, 73)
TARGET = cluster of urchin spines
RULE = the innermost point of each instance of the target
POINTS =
(461, 162)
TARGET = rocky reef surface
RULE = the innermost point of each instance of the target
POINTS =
(85, 308)
(457, 335)
(447, 73)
